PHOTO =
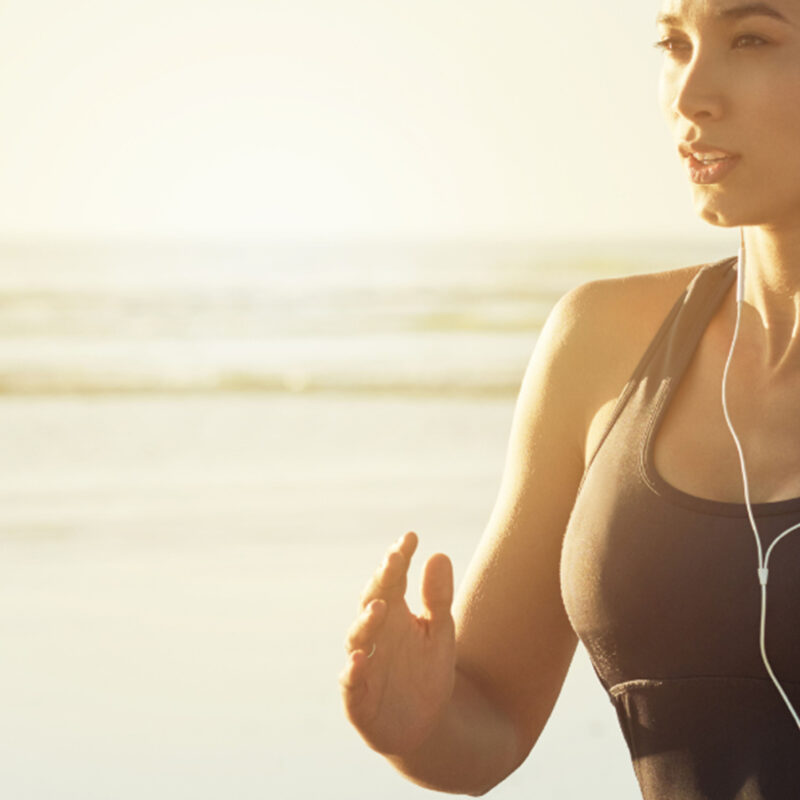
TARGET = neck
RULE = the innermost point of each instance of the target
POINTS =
(772, 294)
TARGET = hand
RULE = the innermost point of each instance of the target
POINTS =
(401, 668)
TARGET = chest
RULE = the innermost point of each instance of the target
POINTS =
(639, 558)
(694, 451)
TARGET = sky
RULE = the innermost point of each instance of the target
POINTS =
(316, 119)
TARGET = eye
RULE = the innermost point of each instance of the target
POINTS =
(748, 40)
(675, 46)
(670, 44)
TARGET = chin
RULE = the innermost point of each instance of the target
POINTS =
(715, 213)
(717, 218)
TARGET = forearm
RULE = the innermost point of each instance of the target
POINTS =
(473, 748)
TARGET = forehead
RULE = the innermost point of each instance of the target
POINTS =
(726, 11)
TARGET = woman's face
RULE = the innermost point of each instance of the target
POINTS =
(730, 86)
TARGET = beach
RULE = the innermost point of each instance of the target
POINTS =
(178, 574)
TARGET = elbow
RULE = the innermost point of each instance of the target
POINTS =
(481, 792)
(485, 789)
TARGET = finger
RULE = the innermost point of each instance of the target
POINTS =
(437, 587)
(352, 678)
(407, 544)
(389, 580)
(362, 634)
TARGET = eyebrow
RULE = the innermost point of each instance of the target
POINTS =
(731, 14)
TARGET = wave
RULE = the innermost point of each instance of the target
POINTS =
(444, 318)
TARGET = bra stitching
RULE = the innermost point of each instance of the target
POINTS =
(620, 688)
(645, 445)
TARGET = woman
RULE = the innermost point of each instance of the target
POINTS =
(622, 516)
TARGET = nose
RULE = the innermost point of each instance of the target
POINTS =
(694, 89)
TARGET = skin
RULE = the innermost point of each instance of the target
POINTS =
(457, 697)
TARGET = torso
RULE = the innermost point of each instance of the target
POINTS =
(659, 565)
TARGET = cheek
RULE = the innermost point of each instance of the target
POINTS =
(667, 92)
(777, 117)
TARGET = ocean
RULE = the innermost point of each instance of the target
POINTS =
(444, 318)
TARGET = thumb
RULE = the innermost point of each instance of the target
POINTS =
(437, 587)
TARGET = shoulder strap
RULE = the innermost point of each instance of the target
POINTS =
(711, 279)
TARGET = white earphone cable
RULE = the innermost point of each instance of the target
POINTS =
(763, 570)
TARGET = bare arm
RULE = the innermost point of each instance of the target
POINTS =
(495, 667)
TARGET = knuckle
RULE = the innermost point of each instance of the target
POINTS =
(393, 582)
(346, 681)
(354, 637)
(369, 589)
(367, 596)
(349, 636)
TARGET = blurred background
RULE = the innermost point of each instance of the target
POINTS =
(270, 274)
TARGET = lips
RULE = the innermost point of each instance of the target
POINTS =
(707, 163)
(702, 148)
(711, 172)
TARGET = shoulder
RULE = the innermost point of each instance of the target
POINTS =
(632, 303)
(592, 341)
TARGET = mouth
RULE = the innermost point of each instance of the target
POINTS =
(707, 164)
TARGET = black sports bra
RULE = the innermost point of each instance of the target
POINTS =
(661, 587)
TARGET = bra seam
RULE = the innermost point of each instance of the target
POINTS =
(620, 688)
(645, 443)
